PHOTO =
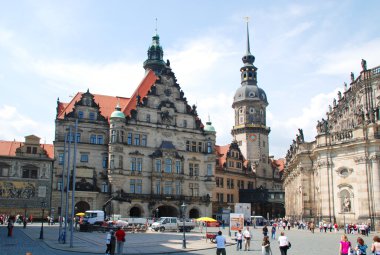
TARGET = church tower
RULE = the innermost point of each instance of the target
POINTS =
(250, 102)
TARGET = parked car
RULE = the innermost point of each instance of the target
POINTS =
(173, 224)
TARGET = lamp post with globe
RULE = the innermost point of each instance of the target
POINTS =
(43, 205)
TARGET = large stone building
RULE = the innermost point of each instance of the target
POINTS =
(25, 176)
(244, 167)
(142, 156)
(336, 177)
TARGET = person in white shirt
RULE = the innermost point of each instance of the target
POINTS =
(220, 244)
(283, 243)
(239, 240)
(247, 237)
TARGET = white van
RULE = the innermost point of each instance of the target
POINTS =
(94, 217)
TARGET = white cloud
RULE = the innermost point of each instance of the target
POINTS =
(348, 58)
(299, 29)
(14, 125)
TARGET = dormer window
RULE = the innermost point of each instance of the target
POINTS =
(92, 116)
(80, 115)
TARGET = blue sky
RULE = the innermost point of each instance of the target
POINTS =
(305, 51)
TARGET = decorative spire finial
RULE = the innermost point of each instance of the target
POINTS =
(156, 26)
(248, 45)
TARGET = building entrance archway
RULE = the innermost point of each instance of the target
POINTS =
(194, 213)
(135, 212)
(82, 206)
(166, 211)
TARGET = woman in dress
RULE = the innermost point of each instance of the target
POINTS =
(265, 246)
(344, 245)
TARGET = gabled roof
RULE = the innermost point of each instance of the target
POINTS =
(222, 153)
(279, 164)
(8, 148)
(107, 104)
(141, 91)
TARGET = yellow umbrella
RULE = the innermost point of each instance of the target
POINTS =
(206, 219)
(80, 214)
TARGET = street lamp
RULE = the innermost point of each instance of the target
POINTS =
(157, 210)
(43, 205)
(183, 206)
(344, 222)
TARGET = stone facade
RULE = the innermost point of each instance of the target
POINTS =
(336, 177)
(25, 176)
(142, 156)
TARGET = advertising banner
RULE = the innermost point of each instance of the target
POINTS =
(236, 221)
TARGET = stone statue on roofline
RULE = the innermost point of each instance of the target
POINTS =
(352, 77)
(364, 65)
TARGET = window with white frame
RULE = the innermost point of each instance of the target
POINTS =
(139, 164)
(158, 165)
(178, 188)
(168, 165)
(178, 166)
(158, 187)
(168, 188)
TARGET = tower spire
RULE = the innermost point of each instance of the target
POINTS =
(248, 45)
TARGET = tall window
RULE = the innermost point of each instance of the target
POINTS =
(78, 137)
(168, 188)
(158, 165)
(168, 165)
(144, 140)
(209, 169)
(230, 183)
(178, 167)
(139, 164)
(240, 184)
(133, 164)
(194, 189)
(100, 139)
(122, 136)
(178, 188)
(61, 158)
(194, 146)
(230, 198)
(158, 187)
(219, 197)
(200, 146)
(129, 141)
(139, 186)
(187, 145)
(59, 185)
(191, 169)
(113, 136)
(196, 169)
(105, 161)
(250, 185)
(209, 148)
(93, 139)
(104, 187)
(132, 186)
(137, 139)
(219, 182)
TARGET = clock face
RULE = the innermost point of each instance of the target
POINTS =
(252, 137)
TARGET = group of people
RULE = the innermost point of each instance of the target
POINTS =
(115, 241)
(246, 236)
(346, 248)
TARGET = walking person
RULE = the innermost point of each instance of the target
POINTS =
(361, 247)
(344, 245)
(10, 227)
(265, 246)
(265, 230)
(120, 239)
(283, 243)
(110, 246)
(220, 244)
(239, 240)
(247, 237)
(375, 247)
(274, 232)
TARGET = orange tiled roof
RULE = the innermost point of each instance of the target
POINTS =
(222, 153)
(8, 148)
(279, 163)
(107, 104)
(141, 90)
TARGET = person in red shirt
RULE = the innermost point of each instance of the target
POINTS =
(120, 239)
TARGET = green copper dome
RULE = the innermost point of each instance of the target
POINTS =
(117, 113)
(209, 127)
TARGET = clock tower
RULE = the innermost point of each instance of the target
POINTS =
(250, 102)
